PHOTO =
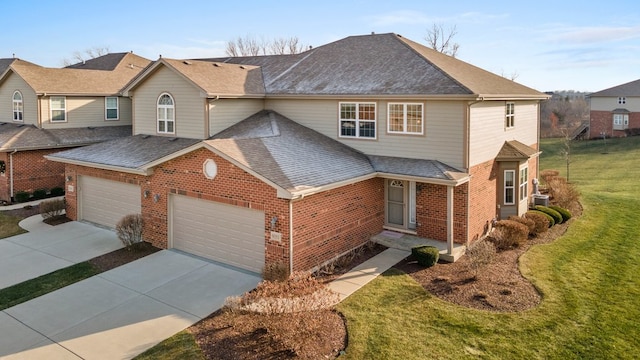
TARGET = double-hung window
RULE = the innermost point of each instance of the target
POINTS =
(111, 111)
(509, 187)
(510, 115)
(17, 106)
(524, 183)
(358, 120)
(405, 118)
(620, 121)
(166, 114)
(58, 108)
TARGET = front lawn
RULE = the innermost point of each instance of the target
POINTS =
(588, 279)
(9, 225)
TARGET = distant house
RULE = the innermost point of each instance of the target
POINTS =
(44, 110)
(615, 112)
(297, 159)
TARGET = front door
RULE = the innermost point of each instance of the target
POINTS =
(401, 204)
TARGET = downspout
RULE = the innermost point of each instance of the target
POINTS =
(11, 173)
(468, 162)
(290, 236)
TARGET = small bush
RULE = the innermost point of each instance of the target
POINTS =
(481, 254)
(549, 217)
(301, 292)
(566, 214)
(426, 255)
(526, 222)
(541, 221)
(57, 191)
(52, 208)
(563, 194)
(129, 230)
(39, 194)
(557, 218)
(276, 271)
(512, 234)
(22, 196)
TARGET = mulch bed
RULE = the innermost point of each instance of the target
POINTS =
(498, 287)
(122, 256)
(24, 212)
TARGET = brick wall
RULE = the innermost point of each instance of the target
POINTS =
(482, 198)
(336, 221)
(431, 212)
(31, 171)
(602, 121)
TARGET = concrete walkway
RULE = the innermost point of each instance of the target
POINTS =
(48, 248)
(122, 312)
(359, 276)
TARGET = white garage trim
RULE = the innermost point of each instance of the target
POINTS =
(105, 202)
(225, 233)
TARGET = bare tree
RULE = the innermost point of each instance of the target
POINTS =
(250, 46)
(80, 56)
(442, 40)
(513, 76)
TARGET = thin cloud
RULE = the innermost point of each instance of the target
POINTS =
(595, 34)
(406, 17)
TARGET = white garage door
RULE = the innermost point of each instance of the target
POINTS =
(229, 234)
(105, 202)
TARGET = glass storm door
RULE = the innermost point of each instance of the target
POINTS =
(396, 203)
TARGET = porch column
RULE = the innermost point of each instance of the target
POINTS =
(450, 220)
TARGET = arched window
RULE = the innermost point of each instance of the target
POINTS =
(17, 106)
(166, 114)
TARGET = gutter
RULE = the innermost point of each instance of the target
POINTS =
(290, 236)
(136, 171)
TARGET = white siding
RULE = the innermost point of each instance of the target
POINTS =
(29, 100)
(443, 138)
(487, 131)
(226, 112)
(189, 105)
(610, 103)
(86, 111)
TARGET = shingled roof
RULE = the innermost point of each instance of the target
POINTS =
(28, 137)
(515, 150)
(628, 89)
(111, 61)
(72, 81)
(380, 64)
(213, 79)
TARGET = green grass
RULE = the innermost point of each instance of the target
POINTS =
(180, 346)
(30, 289)
(588, 279)
(9, 226)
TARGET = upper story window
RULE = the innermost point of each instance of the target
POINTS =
(166, 114)
(622, 100)
(58, 108)
(358, 120)
(620, 121)
(17, 106)
(510, 115)
(111, 111)
(509, 187)
(524, 183)
(405, 118)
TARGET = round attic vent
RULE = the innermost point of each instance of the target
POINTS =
(210, 169)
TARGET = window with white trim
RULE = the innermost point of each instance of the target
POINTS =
(405, 118)
(510, 115)
(524, 183)
(111, 111)
(622, 100)
(166, 114)
(620, 121)
(358, 120)
(58, 106)
(17, 106)
(509, 187)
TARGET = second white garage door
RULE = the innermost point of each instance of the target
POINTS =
(229, 234)
(105, 202)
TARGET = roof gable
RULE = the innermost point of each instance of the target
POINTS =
(515, 150)
(212, 79)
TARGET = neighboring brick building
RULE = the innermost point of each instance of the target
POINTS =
(615, 112)
(301, 158)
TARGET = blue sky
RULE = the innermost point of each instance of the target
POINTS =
(549, 45)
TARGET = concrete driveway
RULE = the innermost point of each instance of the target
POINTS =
(122, 312)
